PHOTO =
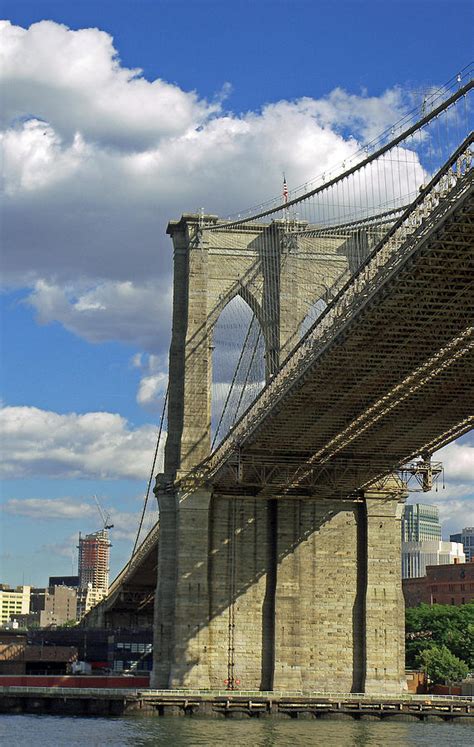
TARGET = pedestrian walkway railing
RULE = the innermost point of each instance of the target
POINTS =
(254, 694)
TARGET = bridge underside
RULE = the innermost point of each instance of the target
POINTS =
(389, 386)
(130, 602)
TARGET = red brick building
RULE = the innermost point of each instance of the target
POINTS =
(443, 584)
(17, 656)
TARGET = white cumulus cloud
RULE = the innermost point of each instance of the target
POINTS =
(49, 508)
(41, 443)
(458, 461)
(98, 159)
(75, 79)
(154, 382)
(136, 313)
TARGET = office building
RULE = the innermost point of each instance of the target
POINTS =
(54, 605)
(94, 558)
(13, 602)
(466, 537)
(416, 556)
(87, 598)
(71, 581)
(420, 522)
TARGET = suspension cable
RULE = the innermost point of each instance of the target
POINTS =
(358, 166)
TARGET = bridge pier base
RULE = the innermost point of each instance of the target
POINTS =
(182, 599)
(384, 603)
(316, 593)
(290, 594)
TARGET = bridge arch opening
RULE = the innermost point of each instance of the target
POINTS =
(238, 365)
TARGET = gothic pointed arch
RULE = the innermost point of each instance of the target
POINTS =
(238, 364)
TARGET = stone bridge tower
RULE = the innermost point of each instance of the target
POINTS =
(281, 593)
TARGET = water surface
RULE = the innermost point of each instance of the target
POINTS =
(56, 731)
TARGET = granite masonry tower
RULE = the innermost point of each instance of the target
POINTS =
(280, 593)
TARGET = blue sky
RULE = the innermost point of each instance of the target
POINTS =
(97, 161)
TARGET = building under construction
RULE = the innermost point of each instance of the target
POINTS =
(93, 570)
(94, 559)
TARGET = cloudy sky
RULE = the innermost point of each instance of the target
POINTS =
(116, 117)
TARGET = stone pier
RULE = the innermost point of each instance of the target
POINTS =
(301, 595)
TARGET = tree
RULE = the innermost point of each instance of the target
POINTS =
(441, 665)
(440, 625)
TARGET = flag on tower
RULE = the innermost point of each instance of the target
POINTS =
(285, 189)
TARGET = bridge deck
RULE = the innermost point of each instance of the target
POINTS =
(384, 382)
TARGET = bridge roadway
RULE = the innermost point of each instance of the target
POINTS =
(382, 377)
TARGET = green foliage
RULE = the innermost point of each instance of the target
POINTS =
(441, 665)
(440, 626)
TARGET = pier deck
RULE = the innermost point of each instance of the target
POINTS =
(231, 704)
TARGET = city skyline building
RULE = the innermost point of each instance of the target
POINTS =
(420, 522)
(93, 570)
(94, 560)
(416, 556)
(54, 605)
(466, 537)
(443, 584)
(13, 602)
(71, 581)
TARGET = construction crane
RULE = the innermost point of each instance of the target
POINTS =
(105, 517)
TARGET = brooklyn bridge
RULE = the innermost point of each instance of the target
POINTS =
(321, 353)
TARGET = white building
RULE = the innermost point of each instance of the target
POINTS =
(13, 602)
(466, 537)
(87, 598)
(417, 555)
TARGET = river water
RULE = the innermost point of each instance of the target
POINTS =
(56, 731)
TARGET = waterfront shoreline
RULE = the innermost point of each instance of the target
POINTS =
(231, 704)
